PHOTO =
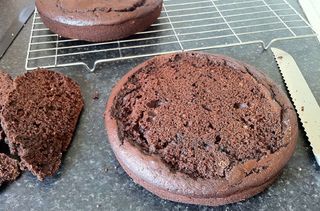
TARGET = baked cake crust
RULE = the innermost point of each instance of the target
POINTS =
(239, 182)
(98, 20)
(5, 88)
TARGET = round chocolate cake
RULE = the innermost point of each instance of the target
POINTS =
(200, 128)
(98, 20)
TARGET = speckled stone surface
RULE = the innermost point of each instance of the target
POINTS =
(90, 177)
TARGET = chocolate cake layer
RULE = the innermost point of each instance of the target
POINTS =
(200, 128)
(98, 20)
(9, 168)
(39, 118)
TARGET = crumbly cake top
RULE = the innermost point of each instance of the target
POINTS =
(201, 114)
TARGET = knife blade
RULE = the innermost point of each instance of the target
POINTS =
(15, 27)
(302, 97)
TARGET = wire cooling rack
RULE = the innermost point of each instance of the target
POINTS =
(183, 25)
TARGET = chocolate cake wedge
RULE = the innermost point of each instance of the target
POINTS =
(200, 128)
(98, 20)
(39, 118)
(9, 168)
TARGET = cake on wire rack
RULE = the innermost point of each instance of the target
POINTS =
(183, 25)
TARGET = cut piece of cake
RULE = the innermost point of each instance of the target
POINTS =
(9, 168)
(39, 119)
(200, 128)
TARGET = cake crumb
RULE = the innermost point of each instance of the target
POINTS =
(96, 95)
(302, 108)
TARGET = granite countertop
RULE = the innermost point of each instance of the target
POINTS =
(90, 177)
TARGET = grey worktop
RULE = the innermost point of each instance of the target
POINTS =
(90, 177)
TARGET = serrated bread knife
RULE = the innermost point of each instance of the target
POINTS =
(302, 97)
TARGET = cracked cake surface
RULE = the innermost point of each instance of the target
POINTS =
(200, 120)
(203, 119)
(99, 5)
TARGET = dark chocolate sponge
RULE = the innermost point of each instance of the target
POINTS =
(39, 119)
(98, 20)
(9, 169)
(200, 128)
(6, 86)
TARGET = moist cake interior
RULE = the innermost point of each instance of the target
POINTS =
(201, 117)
